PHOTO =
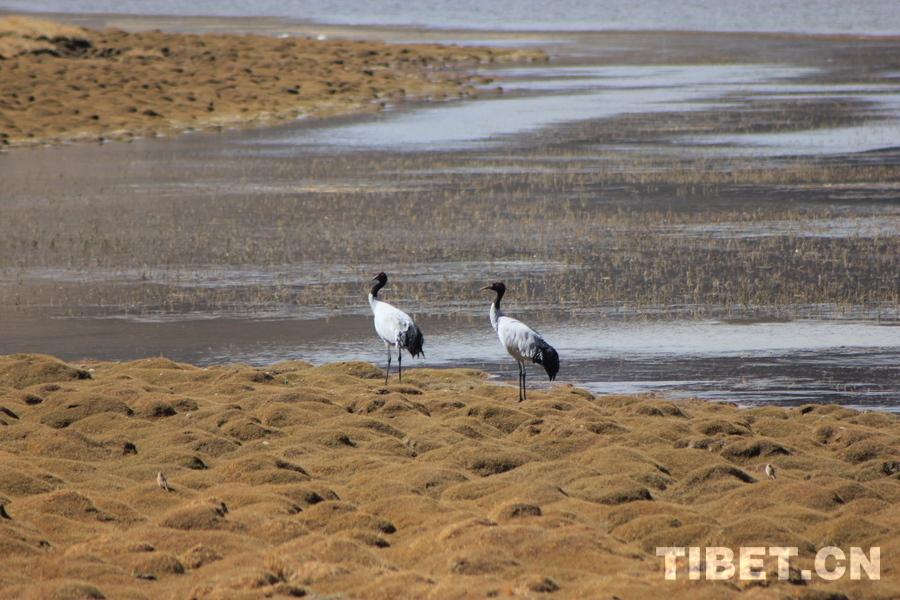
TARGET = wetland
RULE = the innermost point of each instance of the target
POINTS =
(741, 186)
(704, 226)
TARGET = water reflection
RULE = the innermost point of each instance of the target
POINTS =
(822, 16)
(790, 363)
(538, 98)
(878, 135)
(205, 176)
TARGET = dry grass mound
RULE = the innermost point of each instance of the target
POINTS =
(66, 83)
(31, 36)
(24, 370)
(319, 482)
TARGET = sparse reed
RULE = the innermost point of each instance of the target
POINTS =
(581, 217)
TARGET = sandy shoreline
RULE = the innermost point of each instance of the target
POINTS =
(64, 83)
(298, 480)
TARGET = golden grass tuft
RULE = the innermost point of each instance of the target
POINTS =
(38, 29)
(19, 35)
(25, 370)
(345, 495)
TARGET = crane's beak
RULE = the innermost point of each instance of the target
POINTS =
(487, 287)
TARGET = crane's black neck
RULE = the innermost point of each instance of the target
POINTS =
(379, 280)
(500, 289)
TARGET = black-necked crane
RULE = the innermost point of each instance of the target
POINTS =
(395, 327)
(521, 341)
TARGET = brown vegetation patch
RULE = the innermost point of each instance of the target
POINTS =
(24, 370)
(67, 83)
(462, 498)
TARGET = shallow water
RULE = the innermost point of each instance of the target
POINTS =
(537, 98)
(789, 363)
(818, 16)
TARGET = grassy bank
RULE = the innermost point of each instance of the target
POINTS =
(296, 479)
(63, 83)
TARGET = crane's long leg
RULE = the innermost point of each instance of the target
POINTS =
(388, 372)
(399, 364)
(521, 381)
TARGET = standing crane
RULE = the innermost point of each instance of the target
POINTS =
(521, 341)
(395, 327)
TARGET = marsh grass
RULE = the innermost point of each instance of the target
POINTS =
(582, 252)
(605, 216)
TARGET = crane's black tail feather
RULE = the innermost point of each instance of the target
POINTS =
(412, 339)
(547, 357)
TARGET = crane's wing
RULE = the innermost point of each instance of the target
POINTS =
(397, 328)
(412, 339)
(524, 343)
(547, 357)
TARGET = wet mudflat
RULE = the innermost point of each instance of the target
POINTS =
(724, 191)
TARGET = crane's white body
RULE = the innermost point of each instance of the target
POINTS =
(395, 327)
(391, 323)
(521, 341)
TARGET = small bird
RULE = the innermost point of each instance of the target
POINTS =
(770, 471)
(521, 341)
(161, 482)
(395, 327)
